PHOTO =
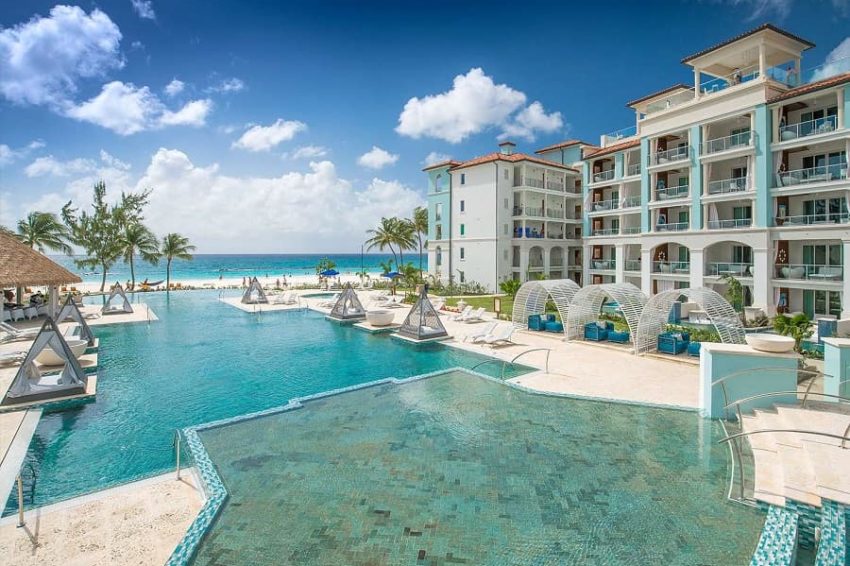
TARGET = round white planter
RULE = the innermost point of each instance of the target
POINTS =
(380, 317)
(773, 343)
(48, 357)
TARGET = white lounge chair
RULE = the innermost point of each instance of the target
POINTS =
(10, 358)
(478, 335)
(500, 336)
(474, 316)
(9, 333)
(464, 313)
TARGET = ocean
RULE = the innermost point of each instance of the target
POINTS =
(211, 266)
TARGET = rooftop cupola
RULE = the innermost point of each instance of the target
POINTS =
(507, 148)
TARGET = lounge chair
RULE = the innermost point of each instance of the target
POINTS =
(673, 343)
(500, 336)
(693, 349)
(13, 334)
(10, 358)
(464, 313)
(473, 316)
(477, 336)
(597, 331)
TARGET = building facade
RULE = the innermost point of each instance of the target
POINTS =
(742, 174)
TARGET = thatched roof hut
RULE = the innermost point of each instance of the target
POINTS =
(21, 266)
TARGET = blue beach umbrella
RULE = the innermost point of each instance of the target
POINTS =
(391, 274)
(329, 273)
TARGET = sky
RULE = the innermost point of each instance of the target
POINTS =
(293, 127)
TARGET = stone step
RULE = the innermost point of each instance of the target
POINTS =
(798, 476)
(831, 467)
(769, 482)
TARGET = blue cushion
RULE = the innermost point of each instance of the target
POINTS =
(554, 326)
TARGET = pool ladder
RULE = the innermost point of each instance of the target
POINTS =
(506, 363)
(176, 445)
(20, 482)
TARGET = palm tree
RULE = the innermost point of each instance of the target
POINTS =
(175, 246)
(383, 236)
(137, 239)
(420, 227)
(403, 236)
(43, 231)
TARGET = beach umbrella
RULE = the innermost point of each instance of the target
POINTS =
(391, 274)
(329, 273)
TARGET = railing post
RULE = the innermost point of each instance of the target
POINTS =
(177, 452)
(20, 482)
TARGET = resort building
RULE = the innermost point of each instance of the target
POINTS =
(506, 215)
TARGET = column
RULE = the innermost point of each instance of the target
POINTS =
(845, 283)
(846, 105)
(547, 259)
(620, 267)
(619, 169)
(763, 168)
(697, 268)
(646, 271)
(644, 185)
(523, 262)
(695, 180)
(697, 76)
(586, 252)
(762, 270)
(585, 220)
(762, 62)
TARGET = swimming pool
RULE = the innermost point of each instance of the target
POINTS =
(458, 469)
(205, 360)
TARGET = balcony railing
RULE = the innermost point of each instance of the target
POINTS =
(670, 155)
(738, 77)
(632, 265)
(808, 219)
(822, 174)
(727, 224)
(729, 268)
(531, 182)
(601, 176)
(555, 213)
(633, 170)
(555, 185)
(528, 211)
(535, 264)
(672, 227)
(677, 267)
(600, 205)
(631, 202)
(810, 272)
(603, 264)
(630, 230)
(668, 193)
(670, 101)
(734, 185)
(615, 136)
(604, 232)
(735, 141)
(808, 128)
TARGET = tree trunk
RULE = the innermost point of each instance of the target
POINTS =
(395, 258)
(103, 278)
(420, 258)
(168, 276)
(132, 274)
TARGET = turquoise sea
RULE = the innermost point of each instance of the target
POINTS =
(211, 266)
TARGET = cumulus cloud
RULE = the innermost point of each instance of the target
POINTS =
(43, 59)
(112, 161)
(473, 104)
(307, 152)
(377, 158)
(837, 62)
(530, 120)
(9, 154)
(435, 157)
(263, 138)
(144, 9)
(228, 85)
(49, 165)
(126, 109)
(174, 88)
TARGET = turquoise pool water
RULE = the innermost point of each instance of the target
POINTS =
(203, 361)
(456, 469)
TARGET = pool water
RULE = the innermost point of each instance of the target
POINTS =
(319, 295)
(205, 360)
(457, 469)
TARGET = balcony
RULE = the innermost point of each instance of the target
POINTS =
(814, 219)
(556, 213)
(730, 224)
(672, 227)
(670, 155)
(602, 176)
(718, 269)
(726, 186)
(822, 174)
(604, 231)
(631, 202)
(602, 205)
(671, 267)
(524, 181)
(633, 170)
(537, 212)
(667, 193)
(632, 265)
(810, 128)
(735, 141)
(555, 185)
(810, 272)
(608, 264)
(535, 265)
(630, 230)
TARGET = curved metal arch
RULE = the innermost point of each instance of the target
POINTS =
(532, 296)
(654, 318)
(588, 302)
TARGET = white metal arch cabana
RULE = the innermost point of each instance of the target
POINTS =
(588, 302)
(532, 296)
(657, 311)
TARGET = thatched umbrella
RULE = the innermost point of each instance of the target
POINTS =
(22, 266)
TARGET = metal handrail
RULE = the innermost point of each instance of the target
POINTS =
(176, 444)
(739, 402)
(722, 381)
(485, 362)
(789, 430)
(518, 356)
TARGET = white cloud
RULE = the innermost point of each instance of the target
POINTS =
(473, 104)
(43, 58)
(144, 9)
(307, 152)
(435, 157)
(263, 138)
(49, 165)
(112, 161)
(228, 85)
(175, 87)
(9, 154)
(127, 109)
(531, 119)
(377, 158)
(837, 62)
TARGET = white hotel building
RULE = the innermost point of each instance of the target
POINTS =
(742, 173)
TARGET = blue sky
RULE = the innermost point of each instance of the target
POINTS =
(297, 125)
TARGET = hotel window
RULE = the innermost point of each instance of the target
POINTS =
(742, 254)
(506, 174)
(438, 232)
(742, 213)
(438, 183)
(439, 256)
(505, 203)
(462, 276)
(615, 225)
(463, 206)
(739, 172)
(740, 136)
(684, 217)
(813, 121)
(462, 229)
(684, 254)
(824, 254)
(462, 253)
(463, 178)
(438, 211)
(825, 209)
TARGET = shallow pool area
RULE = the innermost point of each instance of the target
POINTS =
(203, 361)
(459, 469)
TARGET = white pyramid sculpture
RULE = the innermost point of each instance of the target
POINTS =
(71, 310)
(254, 293)
(423, 322)
(117, 291)
(348, 306)
(31, 385)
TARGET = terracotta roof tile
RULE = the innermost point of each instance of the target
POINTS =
(566, 143)
(513, 158)
(613, 148)
(762, 27)
(812, 87)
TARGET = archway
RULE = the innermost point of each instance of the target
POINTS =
(532, 297)
(587, 303)
(717, 309)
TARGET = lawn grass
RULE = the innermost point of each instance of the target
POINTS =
(486, 302)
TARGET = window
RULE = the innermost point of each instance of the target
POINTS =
(684, 217)
(505, 255)
(506, 204)
(825, 209)
(825, 163)
(739, 172)
(684, 254)
(823, 254)
(813, 121)
(505, 174)
(463, 206)
(462, 229)
(463, 178)
(438, 232)
(438, 211)
(438, 183)
(742, 212)
(462, 253)
(439, 256)
(742, 254)
(462, 276)
(615, 225)
(739, 136)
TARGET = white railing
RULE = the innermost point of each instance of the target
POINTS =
(718, 268)
(630, 230)
(671, 101)
(725, 224)
(533, 211)
(633, 170)
(601, 176)
(739, 76)
(554, 213)
(735, 141)
(670, 155)
(603, 264)
(671, 267)
(600, 205)
(531, 182)
(555, 185)
(808, 128)
(617, 135)
(810, 272)
(822, 174)
(672, 227)
(807, 219)
(667, 193)
(631, 202)
(734, 185)
(535, 264)
(632, 265)
(604, 232)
